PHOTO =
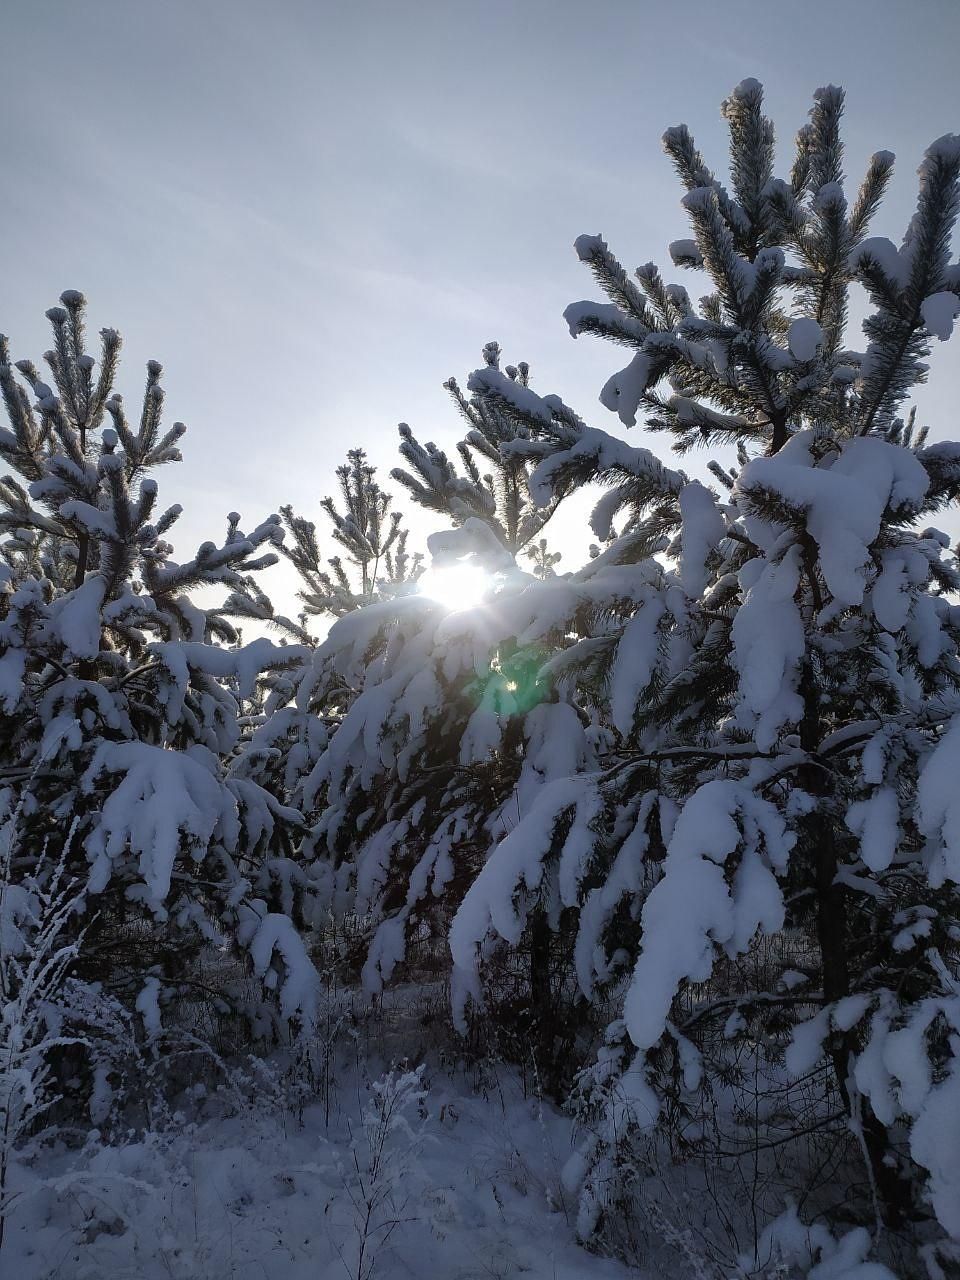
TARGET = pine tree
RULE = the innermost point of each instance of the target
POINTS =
(413, 746)
(122, 697)
(498, 498)
(371, 535)
(783, 679)
(442, 730)
(542, 559)
(290, 731)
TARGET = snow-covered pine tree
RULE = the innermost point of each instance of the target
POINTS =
(119, 730)
(498, 497)
(542, 560)
(371, 536)
(785, 686)
(443, 730)
(442, 727)
(289, 733)
(396, 771)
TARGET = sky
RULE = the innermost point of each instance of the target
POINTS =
(314, 212)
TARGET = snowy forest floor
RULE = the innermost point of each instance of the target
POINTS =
(452, 1174)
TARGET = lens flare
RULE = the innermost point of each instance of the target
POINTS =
(457, 586)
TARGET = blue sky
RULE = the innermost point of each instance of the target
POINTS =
(313, 213)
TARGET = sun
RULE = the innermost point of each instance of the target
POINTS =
(457, 586)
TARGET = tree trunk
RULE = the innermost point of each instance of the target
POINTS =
(824, 841)
(541, 1000)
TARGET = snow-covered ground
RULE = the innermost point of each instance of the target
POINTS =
(469, 1172)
